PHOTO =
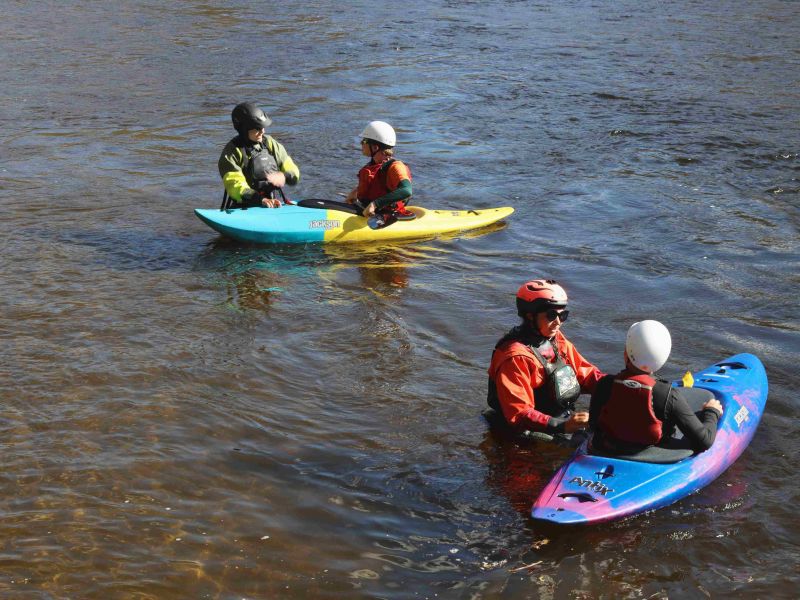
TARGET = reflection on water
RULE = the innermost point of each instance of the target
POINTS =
(186, 417)
(517, 469)
(255, 288)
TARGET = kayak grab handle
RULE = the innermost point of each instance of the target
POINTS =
(729, 365)
(581, 497)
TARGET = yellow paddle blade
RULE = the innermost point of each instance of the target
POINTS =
(688, 380)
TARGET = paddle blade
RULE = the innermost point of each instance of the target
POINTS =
(688, 380)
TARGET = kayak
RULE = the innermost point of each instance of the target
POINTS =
(292, 224)
(591, 488)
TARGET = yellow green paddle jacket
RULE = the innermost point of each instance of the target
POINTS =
(235, 159)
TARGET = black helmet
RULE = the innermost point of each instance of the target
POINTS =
(247, 116)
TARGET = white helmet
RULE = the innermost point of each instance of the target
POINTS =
(380, 132)
(648, 345)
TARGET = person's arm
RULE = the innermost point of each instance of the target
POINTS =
(401, 192)
(398, 180)
(700, 432)
(352, 196)
(230, 170)
(285, 163)
(516, 379)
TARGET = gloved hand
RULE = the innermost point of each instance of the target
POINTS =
(251, 198)
(265, 187)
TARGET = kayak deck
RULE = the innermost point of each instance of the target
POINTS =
(296, 224)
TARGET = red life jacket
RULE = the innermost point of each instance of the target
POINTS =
(372, 183)
(628, 414)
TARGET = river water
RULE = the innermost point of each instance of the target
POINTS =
(186, 417)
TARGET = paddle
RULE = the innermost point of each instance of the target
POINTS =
(227, 201)
(688, 380)
(329, 204)
(285, 199)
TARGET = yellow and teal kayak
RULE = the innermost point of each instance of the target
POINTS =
(292, 224)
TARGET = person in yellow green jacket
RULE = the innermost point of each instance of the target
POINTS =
(253, 165)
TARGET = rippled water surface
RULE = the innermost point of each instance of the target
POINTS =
(186, 417)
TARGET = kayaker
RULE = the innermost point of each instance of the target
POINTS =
(253, 165)
(536, 374)
(384, 183)
(633, 409)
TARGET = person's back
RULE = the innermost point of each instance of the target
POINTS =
(633, 409)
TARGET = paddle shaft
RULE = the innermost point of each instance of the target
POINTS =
(330, 205)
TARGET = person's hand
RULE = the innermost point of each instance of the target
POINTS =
(369, 211)
(576, 422)
(264, 188)
(251, 198)
(352, 196)
(715, 405)
(276, 178)
(270, 202)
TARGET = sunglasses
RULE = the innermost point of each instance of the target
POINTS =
(552, 314)
(364, 141)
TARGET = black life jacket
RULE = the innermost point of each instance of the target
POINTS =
(258, 162)
(561, 387)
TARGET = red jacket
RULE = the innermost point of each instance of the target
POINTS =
(517, 372)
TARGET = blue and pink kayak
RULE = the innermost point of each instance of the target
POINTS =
(592, 489)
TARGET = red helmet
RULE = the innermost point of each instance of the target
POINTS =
(539, 295)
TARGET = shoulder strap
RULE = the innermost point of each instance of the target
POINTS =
(661, 393)
(245, 156)
(549, 367)
(269, 145)
(384, 171)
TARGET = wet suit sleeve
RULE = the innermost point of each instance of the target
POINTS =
(601, 394)
(285, 162)
(700, 432)
(230, 169)
(402, 192)
(516, 380)
(398, 180)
